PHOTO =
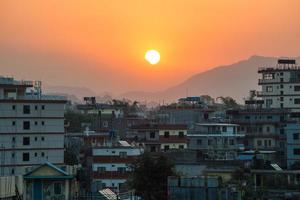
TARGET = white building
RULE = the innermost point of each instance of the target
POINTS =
(110, 164)
(31, 127)
(281, 85)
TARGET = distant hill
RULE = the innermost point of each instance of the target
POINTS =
(79, 92)
(233, 80)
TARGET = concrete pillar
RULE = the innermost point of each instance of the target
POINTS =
(67, 189)
(254, 182)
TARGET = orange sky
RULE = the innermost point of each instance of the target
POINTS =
(100, 44)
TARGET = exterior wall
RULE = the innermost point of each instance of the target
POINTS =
(112, 183)
(116, 151)
(46, 135)
(264, 143)
(48, 190)
(110, 165)
(281, 89)
(174, 145)
(292, 143)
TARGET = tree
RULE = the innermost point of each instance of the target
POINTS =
(229, 102)
(150, 176)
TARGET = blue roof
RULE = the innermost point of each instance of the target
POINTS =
(65, 174)
(245, 157)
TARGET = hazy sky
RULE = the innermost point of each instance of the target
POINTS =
(100, 44)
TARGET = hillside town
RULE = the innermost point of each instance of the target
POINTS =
(199, 147)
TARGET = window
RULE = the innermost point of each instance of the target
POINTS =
(247, 117)
(123, 154)
(269, 88)
(270, 143)
(296, 101)
(281, 92)
(166, 147)
(269, 102)
(269, 117)
(101, 169)
(35, 154)
(281, 98)
(35, 138)
(121, 169)
(181, 134)
(209, 142)
(105, 124)
(152, 149)
(231, 142)
(258, 142)
(167, 134)
(281, 73)
(199, 141)
(42, 154)
(43, 107)
(12, 171)
(13, 123)
(42, 138)
(152, 134)
(103, 185)
(297, 88)
(281, 80)
(13, 107)
(12, 154)
(268, 129)
(26, 140)
(181, 146)
(296, 136)
(43, 123)
(57, 188)
(26, 125)
(25, 156)
(26, 109)
(113, 152)
(13, 139)
(35, 123)
(35, 107)
(224, 129)
(296, 151)
(265, 143)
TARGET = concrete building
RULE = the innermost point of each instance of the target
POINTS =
(292, 132)
(48, 181)
(110, 164)
(216, 140)
(280, 85)
(31, 127)
(159, 137)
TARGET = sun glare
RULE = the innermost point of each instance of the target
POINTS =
(152, 56)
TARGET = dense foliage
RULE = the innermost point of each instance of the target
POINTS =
(150, 176)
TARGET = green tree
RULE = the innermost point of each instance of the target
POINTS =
(229, 102)
(150, 176)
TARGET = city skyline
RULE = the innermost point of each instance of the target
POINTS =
(102, 42)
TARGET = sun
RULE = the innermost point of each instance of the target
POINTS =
(152, 56)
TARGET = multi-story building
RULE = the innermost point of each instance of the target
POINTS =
(216, 140)
(281, 85)
(31, 127)
(160, 137)
(292, 132)
(110, 164)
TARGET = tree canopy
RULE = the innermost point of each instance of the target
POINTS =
(150, 176)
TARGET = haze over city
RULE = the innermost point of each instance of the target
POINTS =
(101, 44)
